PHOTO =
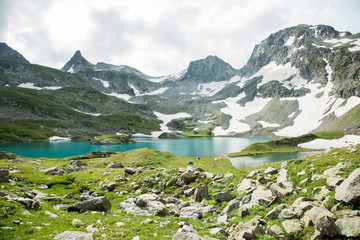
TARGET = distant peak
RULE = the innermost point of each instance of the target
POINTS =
(8, 53)
(76, 63)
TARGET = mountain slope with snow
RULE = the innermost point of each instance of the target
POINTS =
(298, 80)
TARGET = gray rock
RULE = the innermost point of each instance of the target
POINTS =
(146, 204)
(29, 203)
(253, 173)
(74, 235)
(50, 214)
(223, 196)
(349, 227)
(51, 171)
(108, 186)
(247, 230)
(246, 185)
(320, 193)
(186, 236)
(188, 177)
(4, 175)
(262, 195)
(222, 220)
(115, 165)
(282, 176)
(93, 204)
(289, 213)
(193, 212)
(270, 170)
(130, 170)
(71, 168)
(322, 219)
(275, 231)
(200, 193)
(283, 189)
(233, 204)
(292, 226)
(348, 191)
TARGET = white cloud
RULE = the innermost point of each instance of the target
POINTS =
(158, 36)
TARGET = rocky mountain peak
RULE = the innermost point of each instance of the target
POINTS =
(77, 63)
(210, 69)
(8, 53)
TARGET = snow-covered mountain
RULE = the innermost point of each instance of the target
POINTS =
(299, 79)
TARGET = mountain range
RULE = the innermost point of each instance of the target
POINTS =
(298, 80)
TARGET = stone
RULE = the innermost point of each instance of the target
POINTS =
(188, 177)
(130, 170)
(186, 236)
(271, 171)
(247, 230)
(275, 231)
(320, 193)
(292, 226)
(51, 171)
(145, 204)
(301, 173)
(108, 187)
(253, 173)
(349, 227)
(246, 185)
(92, 228)
(29, 203)
(322, 219)
(115, 165)
(282, 176)
(171, 182)
(223, 196)
(348, 191)
(93, 204)
(262, 196)
(228, 176)
(283, 189)
(74, 235)
(4, 175)
(200, 193)
(222, 220)
(233, 204)
(317, 177)
(50, 214)
(333, 182)
(147, 221)
(289, 213)
(193, 212)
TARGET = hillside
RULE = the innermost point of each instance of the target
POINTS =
(106, 195)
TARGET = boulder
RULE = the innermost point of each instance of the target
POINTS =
(246, 185)
(292, 226)
(348, 191)
(282, 176)
(29, 203)
(146, 204)
(200, 193)
(349, 227)
(223, 196)
(322, 219)
(262, 196)
(130, 170)
(186, 236)
(51, 171)
(275, 231)
(233, 204)
(283, 189)
(93, 204)
(271, 171)
(289, 213)
(247, 230)
(4, 175)
(193, 212)
(188, 177)
(115, 165)
(74, 235)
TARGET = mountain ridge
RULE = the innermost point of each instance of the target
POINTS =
(296, 80)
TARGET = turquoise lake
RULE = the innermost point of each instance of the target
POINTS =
(193, 147)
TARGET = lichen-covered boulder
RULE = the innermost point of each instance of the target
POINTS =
(348, 191)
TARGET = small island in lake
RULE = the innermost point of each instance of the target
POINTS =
(111, 139)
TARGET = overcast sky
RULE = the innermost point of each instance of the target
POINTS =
(158, 37)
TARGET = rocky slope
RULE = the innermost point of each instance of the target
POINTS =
(124, 195)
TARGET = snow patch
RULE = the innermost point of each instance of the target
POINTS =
(166, 118)
(71, 70)
(210, 89)
(290, 41)
(87, 113)
(350, 103)
(265, 124)
(292, 115)
(31, 86)
(345, 141)
(120, 96)
(356, 47)
(57, 139)
(239, 113)
(105, 83)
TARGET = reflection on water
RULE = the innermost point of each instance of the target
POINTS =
(253, 161)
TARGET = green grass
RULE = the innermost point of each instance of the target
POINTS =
(200, 133)
(31, 178)
(119, 139)
(285, 145)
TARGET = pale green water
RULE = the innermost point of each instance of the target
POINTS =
(193, 147)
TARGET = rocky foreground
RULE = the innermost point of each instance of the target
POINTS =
(313, 198)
